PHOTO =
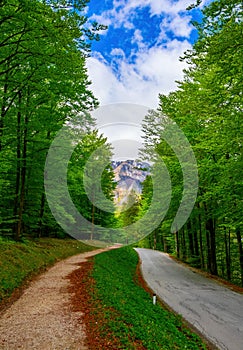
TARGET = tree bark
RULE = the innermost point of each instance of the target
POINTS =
(3, 112)
(190, 237)
(183, 244)
(42, 210)
(201, 242)
(210, 227)
(93, 222)
(227, 253)
(177, 242)
(18, 169)
(23, 179)
(195, 239)
(240, 247)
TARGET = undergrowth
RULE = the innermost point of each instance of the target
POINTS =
(19, 261)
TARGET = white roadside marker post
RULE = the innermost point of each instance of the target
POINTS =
(154, 299)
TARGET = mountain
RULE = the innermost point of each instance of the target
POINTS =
(129, 176)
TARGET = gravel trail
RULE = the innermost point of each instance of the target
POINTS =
(41, 319)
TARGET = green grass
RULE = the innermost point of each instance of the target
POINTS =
(19, 261)
(128, 309)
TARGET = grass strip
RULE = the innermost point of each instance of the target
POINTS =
(128, 311)
(20, 261)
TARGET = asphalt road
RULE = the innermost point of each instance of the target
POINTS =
(214, 310)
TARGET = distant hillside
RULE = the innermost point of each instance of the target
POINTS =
(129, 175)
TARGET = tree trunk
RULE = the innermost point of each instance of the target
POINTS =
(18, 170)
(93, 222)
(42, 210)
(238, 235)
(227, 253)
(209, 258)
(165, 244)
(183, 244)
(195, 240)
(155, 240)
(190, 237)
(201, 242)
(210, 227)
(3, 112)
(23, 179)
(177, 244)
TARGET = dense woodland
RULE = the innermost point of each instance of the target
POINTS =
(44, 85)
(207, 106)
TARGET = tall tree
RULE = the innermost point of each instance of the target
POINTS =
(207, 106)
(44, 84)
(92, 184)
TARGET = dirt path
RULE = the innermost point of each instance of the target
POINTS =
(41, 319)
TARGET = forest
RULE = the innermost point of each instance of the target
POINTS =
(207, 106)
(44, 86)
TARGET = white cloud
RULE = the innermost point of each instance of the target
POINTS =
(177, 24)
(105, 85)
(118, 53)
(148, 71)
(154, 71)
(157, 7)
(122, 13)
(138, 39)
(167, 6)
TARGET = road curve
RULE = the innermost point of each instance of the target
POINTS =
(214, 310)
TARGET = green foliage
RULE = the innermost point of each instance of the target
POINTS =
(129, 210)
(207, 106)
(128, 308)
(91, 182)
(19, 261)
(43, 85)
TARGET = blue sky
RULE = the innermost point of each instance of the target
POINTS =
(136, 59)
(147, 26)
(138, 56)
